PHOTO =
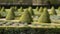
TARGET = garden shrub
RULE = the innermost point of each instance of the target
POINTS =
(12, 8)
(10, 15)
(3, 12)
(29, 30)
(31, 10)
(2, 9)
(59, 8)
(16, 9)
(37, 9)
(53, 12)
(45, 17)
(41, 10)
(26, 17)
(20, 10)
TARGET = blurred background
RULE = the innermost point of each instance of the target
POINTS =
(33, 3)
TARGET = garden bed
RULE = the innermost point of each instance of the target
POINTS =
(28, 30)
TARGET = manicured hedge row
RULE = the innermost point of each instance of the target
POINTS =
(28, 30)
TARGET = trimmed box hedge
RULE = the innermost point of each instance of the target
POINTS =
(28, 30)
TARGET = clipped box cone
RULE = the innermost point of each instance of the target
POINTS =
(45, 17)
(37, 9)
(16, 9)
(53, 12)
(2, 9)
(10, 15)
(30, 11)
(26, 17)
(59, 8)
(41, 10)
(3, 12)
(12, 8)
(21, 10)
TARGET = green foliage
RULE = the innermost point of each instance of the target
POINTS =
(53, 12)
(26, 17)
(59, 8)
(12, 8)
(3, 9)
(3, 12)
(37, 9)
(16, 9)
(41, 10)
(21, 10)
(44, 18)
(10, 15)
(31, 10)
(30, 30)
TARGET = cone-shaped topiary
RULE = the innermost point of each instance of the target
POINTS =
(31, 10)
(3, 12)
(44, 18)
(37, 9)
(3, 9)
(20, 10)
(15, 8)
(41, 10)
(59, 8)
(12, 8)
(10, 15)
(26, 17)
(53, 12)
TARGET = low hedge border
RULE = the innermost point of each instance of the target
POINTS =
(28, 30)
